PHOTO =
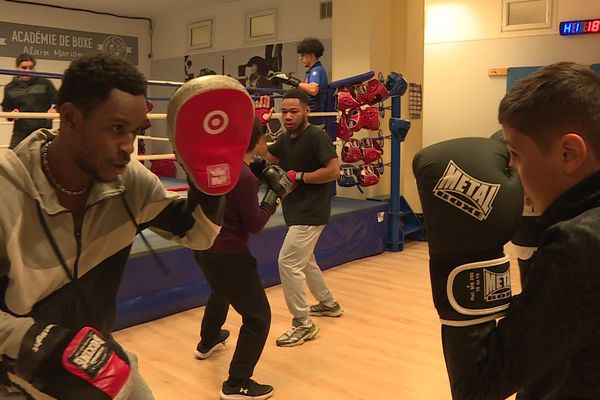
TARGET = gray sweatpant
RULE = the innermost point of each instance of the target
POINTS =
(297, 265)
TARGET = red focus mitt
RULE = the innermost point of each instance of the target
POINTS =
(209, 123)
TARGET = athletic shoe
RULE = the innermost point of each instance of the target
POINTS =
(203, 351)
(297, 335)
(321, 310)
(249, 389)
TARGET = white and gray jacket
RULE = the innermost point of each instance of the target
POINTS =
(34, 284)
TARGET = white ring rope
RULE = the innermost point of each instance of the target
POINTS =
(32, 115)
(312, 114)
(29, 115)
(161, 139)
(56, 116)
(153, 116)
(144, 157)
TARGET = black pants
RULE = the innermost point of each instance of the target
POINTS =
(234, 279)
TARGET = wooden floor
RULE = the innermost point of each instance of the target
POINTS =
(385, 346)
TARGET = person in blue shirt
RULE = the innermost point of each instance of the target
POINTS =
(315, 80)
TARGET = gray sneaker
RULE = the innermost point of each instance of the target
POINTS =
(297, 335)
(320, 310)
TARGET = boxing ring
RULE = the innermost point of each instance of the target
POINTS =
(357, 229)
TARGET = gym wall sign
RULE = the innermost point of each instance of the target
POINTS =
(579, 27)
(62, 44)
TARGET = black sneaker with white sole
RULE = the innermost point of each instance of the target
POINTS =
(249, 389)
(203, 351)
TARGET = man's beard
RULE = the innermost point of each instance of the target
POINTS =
(82, 161)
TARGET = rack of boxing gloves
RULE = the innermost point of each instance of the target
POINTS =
(360, 106)
(359, 101)
(367, 153)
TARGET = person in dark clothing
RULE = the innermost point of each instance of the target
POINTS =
(547, 347)
(309, 156)
(28, 94)
(231, 272)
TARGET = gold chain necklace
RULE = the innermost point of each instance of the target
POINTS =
(53, 180)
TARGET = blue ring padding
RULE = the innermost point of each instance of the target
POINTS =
(266, 90)
(146, 293)
(333, 85)
(52, 75)
(353, 80)
(342, 82)
(30, 73)
(276, 96)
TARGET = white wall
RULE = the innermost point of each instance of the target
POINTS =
(463, 40)
(74, 20)
(296, 20)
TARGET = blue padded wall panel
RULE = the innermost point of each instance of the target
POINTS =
(147, 292)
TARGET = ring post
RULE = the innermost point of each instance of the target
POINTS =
(403, 221)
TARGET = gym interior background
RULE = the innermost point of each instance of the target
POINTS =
(447, 46)
(459, 51)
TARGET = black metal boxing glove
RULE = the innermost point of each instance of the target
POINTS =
(472, 203)
(257, 166)
(277, 181)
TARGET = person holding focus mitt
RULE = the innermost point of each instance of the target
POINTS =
(77, 202)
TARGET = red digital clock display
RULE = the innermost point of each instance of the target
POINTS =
(579, 27)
